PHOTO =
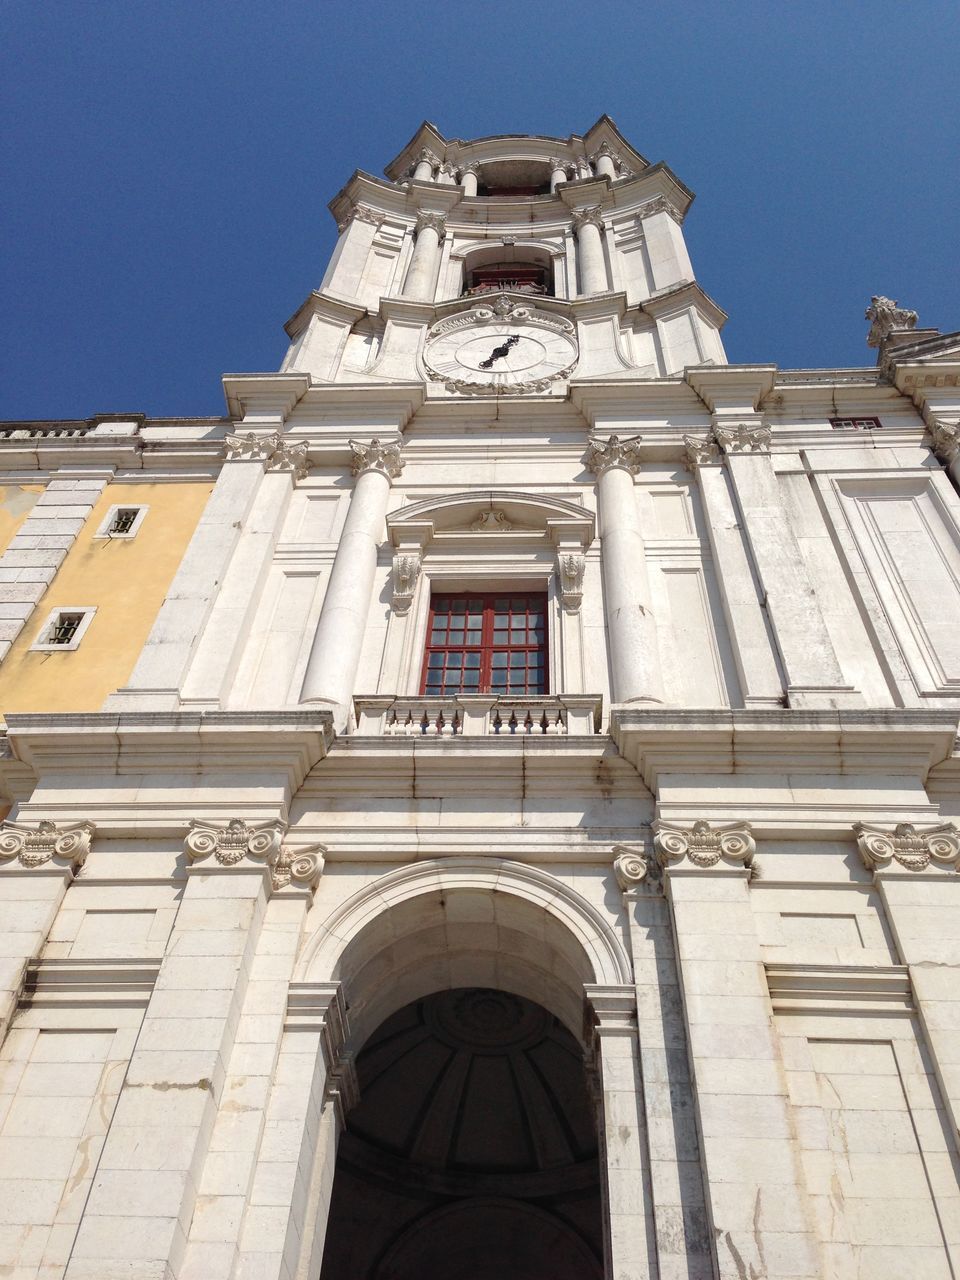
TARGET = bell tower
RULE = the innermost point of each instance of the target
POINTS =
(508, 265)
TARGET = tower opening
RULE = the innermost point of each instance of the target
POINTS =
(472, 1153)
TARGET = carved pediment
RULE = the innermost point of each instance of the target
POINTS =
(491, 513)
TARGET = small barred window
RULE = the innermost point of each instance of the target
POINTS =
(855, 424)
(123, 520)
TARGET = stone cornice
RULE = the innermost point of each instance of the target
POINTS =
(731, 389)
(256, 393)
(676, 298)
(326, 305)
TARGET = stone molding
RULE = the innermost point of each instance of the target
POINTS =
(66, 844)
(592, 215)
(912, 847)
(570, 570)
(602, 455)
(886, 317)
(273, 449)
(659, 204)
(255, 847)
(435, 221)
(700, 452)
(406, 571)
(743, 438)
(946, 440)
(376, 455)
(702, 844)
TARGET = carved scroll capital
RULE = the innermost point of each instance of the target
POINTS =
(274, 450)
(435, 221)
(743, 438)
(702, 844)
(700, 452)
(591, 216)
(912, 848)
(258, 845)
(602, 454)
(66, 844)
(634, 868)
(377, 455)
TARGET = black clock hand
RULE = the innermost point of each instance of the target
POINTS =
(499, 352)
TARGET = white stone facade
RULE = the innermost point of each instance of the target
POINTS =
(720, 847)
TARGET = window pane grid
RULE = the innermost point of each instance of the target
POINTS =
(486, 644)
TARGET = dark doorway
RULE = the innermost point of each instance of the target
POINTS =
(472, 1154)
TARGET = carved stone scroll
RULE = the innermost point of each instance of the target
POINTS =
(259, 845)
(66, 844)
(912, 848)
(634, 868)
(702, 844)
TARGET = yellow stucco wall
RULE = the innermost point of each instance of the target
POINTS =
(16, 502)
(126, 579)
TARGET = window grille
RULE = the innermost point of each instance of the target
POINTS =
(855, 424)
(123, 520)
(64, 628)
(486, 644)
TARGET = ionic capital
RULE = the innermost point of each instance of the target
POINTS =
(256, 846)
(702, 844)
(634, 868)
(743, 438)
(435, 221)
(603, 455)
(912, 848)
(64, 844)
(591, 216)
(377, 455)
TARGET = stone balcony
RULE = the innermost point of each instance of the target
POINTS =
(478, 716)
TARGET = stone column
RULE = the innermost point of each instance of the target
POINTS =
(426, 163)
(753, 647)
(588, 224)
(625, 1163)
(221, 642)
(604, 162)
(335, 655)
(39, 862)
(915, 871)
(810, 665)
(558, 173)
(631, 629)
(469, 179)
(421, 281)
(756, 1197)
(144, 1195)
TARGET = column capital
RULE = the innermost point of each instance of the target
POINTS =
(743, 438)
(592, 215)
(427, 156)
(377, 455)
(556, 163)
(360, 213)
(604, 149)
(634, 867)
(659, 204)
(435, 221)
(274, 450)
(913, 848)
(28, 847)
(472, 166)
(602, 455)
(257, 846)
(701, 452)
(702, 844)
(946, 439)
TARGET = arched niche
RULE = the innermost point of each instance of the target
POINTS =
(473, 260)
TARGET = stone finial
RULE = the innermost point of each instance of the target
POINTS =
(743, 438)
(702, 844)
(279, 453)
(603, 454)
(406, 571)
(34, 846)
(377, 455)
(700, 452)
(570, 568)
(887, 317)
(259, 845)
(912, 848)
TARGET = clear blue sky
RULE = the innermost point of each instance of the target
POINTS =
(166, 164)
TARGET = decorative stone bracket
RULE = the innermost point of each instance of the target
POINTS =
(64, 844)
(260, 845)
(702, 844)
(406, 571)
(275, 450)
(912, 848)
(570, 570)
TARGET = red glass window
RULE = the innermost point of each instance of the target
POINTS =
(486, 644)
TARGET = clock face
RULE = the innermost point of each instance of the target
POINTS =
(500, 357)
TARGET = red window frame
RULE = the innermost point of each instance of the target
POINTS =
(503, 640)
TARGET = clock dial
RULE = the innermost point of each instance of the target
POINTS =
(471, 353)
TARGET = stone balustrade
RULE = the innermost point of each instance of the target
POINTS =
(478, 715)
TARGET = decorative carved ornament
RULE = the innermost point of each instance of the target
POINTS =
(361, 213)
(946, 440)
(602, 454)
(634, 867)
(887, 317)
(472, 166)
(912, 848)
(429, 156)
(491, 522)
(659, 204)
(435, 221)
(279, 453)
(261, 844)
(406, 571)
(571, 567)
(592, 216)
(743, 438)
(699, 452)
(377, 455)
(34, 846)
(702, 844)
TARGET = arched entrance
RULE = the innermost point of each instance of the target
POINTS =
(472, 1153)
(419, 959)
